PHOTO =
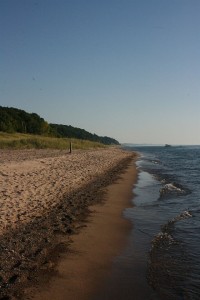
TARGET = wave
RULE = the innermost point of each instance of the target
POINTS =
(167, 228)
(170, 186)
(168, 264)
(165, 236)
(184, 215)
(162, 239)
(170, 189)
(156, 161)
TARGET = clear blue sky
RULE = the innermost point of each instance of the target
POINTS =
(129, 69)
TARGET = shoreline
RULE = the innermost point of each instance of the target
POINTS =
(82, 271)
(45, 197)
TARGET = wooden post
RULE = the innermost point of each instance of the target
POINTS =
(70, 147)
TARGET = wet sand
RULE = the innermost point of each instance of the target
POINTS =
(81, 274)
(45, 197)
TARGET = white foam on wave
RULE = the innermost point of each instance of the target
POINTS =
(170, 187)
(156, 162)
(164, 237)
(184, 215)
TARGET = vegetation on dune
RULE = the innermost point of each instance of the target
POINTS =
(73, 132)
(17, 120)
(13, 120)
(28, 141)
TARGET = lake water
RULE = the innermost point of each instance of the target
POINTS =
(161, 259)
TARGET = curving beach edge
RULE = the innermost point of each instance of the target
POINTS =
(63, 217)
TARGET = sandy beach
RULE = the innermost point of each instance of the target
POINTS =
(47, 197)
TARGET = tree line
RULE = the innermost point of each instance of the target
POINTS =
(17, 120)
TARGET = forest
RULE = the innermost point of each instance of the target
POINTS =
(16, 120)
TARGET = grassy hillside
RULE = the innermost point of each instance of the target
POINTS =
(28, 141)
(73, 132)
(14, 120)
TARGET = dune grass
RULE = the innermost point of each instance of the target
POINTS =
(28, 141)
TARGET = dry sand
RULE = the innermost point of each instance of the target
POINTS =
(44, 197)
(32, 186)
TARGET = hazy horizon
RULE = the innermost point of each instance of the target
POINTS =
(125, 69)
